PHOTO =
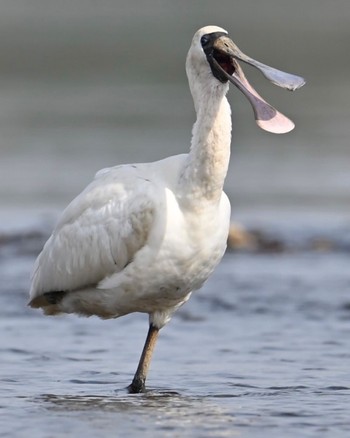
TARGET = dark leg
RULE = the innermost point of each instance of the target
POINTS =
(138, 383)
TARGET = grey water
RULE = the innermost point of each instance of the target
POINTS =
(263, 349)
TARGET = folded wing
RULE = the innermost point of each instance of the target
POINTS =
(98, 234)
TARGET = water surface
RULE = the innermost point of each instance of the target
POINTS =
(262, 349)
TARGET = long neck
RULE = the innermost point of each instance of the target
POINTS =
(206, 166)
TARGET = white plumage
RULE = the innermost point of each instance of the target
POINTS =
(126, 245)
(142, 237)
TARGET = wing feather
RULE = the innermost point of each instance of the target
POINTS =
(98, 234)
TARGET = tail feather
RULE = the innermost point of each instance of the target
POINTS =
(47, 299)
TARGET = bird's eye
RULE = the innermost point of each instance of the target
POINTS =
(205, 40)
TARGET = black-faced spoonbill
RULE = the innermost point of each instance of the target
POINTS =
(142, 237)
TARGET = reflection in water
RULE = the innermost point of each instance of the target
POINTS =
(222, 415)
(116, 403)
(168, 411)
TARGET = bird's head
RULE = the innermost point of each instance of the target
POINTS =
(213, 60)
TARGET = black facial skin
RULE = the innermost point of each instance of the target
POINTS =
(207, 42)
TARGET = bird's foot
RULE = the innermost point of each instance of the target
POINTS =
(137, 386)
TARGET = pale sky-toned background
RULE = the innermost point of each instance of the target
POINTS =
(88, 84)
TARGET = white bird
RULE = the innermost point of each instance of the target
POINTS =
(142, 237)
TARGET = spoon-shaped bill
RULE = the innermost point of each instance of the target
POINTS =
(266, 116)
(277, 77)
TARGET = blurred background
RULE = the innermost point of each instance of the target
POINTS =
(86, 84)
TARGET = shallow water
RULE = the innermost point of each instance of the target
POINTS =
(261, 350)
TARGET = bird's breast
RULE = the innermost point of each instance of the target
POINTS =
(183, 249)
(194, 242)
